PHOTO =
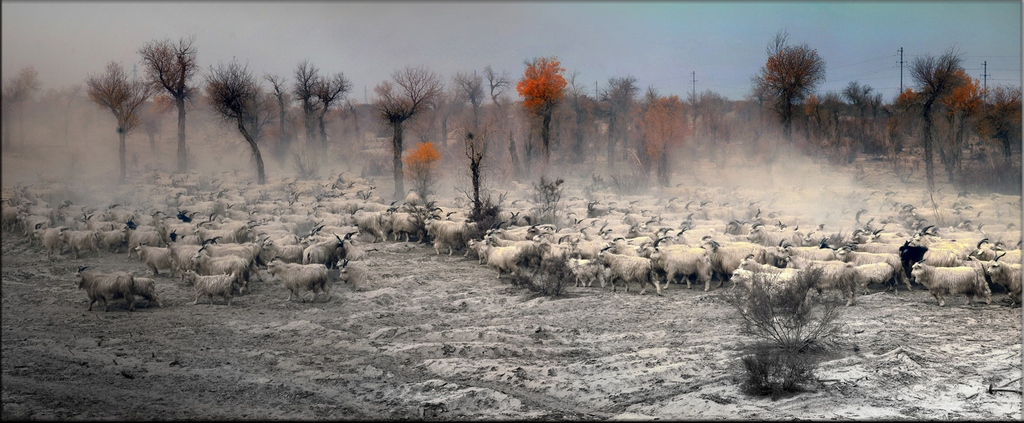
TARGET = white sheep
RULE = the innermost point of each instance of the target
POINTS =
(503, 259)
(288, 253)
(296, 277)
(836, 275)
(879, 273)
(106, 287)
(114, 240)
(681, 261)
(80, 241)
(212, 285)
(447, 234)
(51, 240)
(943, 281)
(204, 264)
(370, 223)
(139, 237)
(586, 271)
(860, 258)
(146, 288)
(156, 258)
(1007, 275)
(725, 259)
(629, 269)
(182, 256)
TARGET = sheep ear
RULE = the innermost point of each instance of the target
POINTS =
(81, 268)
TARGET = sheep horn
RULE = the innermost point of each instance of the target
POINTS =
(749, 257)
(81, 268)
(999, 257)
(876, 232)
(983, 240)
(657, 241)
(562, 238)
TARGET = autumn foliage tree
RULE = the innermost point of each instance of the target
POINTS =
(124, 97)
(962, 103)
(542, 87)
(1001, 118)
(420, 167)
(789, 75)
(664, 126)
(410, 91)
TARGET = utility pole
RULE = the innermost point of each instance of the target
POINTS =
(901, 70)
(364, 95)
(595, 90)
(693, 76)
(984, 77)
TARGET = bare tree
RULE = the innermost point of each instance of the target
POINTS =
(306, 78)
(123, 97)
(280, 92)
(497, 83)
(16, 92)
(935, 77)
(234, 93)
(329, 91)
(470, 88)
(620, 101)
(410, 91)
(576, 92)
(171, 66)
(789, 75)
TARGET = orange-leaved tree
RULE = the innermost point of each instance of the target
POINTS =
(1002, 118)
(541, 87)
(664, 127)
(962, 103)
(420, 164)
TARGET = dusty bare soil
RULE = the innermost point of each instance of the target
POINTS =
(438, 337)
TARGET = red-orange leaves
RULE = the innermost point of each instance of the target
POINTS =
(542, 84)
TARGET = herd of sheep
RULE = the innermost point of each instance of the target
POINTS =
(220, 236)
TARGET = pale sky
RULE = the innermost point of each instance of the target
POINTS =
(663, 44)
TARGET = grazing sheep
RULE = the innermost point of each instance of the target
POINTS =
(156, 258)
(859, 258)
(681, 261)
(146, 288)
(880, 273)
(503, 259)
(114, 240)
(296, 277)
(586, 271)
(836, 275)
(205, 265)
(1007, 275)
(182, 256)
(629, 269)
(370, 223)
(107, 287)
(448, 234)
(211, 285)
(139, 237)
(51, 240)
(943, 281)
(80, 241)
(288, 253)
(352, 274)
(725, 259)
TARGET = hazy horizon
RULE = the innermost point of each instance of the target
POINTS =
(665, 45)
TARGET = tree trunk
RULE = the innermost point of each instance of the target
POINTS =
(663, 171)
(121, 151)
(545, 136)
(323, 131)
(611, 141)
(514, 156)
(929, 169)
(396, 159)
(261, 176)
(182, 152)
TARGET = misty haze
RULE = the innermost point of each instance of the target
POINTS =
(510, 241)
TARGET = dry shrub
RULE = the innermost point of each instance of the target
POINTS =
(997, 174)
(792, 332)
(547, 195)
(306, 161)
(545, 276)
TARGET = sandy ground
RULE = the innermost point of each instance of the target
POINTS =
(439, 337)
